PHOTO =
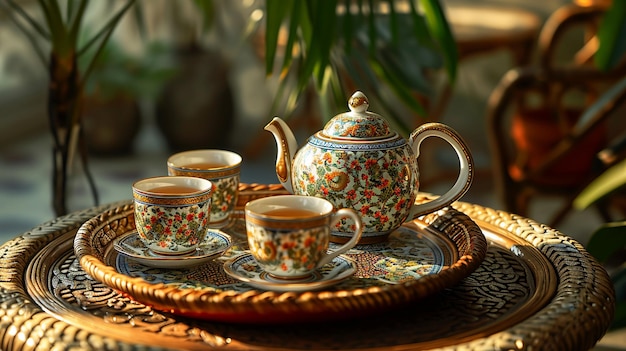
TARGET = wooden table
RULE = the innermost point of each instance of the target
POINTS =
(536, 289)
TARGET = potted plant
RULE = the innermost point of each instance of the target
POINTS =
(119, 82)
(55, 39)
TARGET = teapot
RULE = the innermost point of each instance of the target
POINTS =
(358, 162)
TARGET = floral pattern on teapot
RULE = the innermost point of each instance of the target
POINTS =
(381, 185)
(360, 128)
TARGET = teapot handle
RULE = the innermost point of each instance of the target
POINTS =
(466, 162)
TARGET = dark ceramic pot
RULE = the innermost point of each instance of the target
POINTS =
(111, 125)
(195, 109)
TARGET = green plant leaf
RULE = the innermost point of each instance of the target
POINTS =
(399, 49)
(324, 32)
(399, 89)
(315, 56)
(140, 20)
(14, 11)
(75, 19)
(296, 12)
(611, 180)
(62, 44)
(107, 29)
(408, 62)
(207, 8)
(347, 28)
(441, 32)
(14, 7)
(611, 36)
(117, 72)
(103, 35)
(606, 240)
(420, 29)
(336, 91)
(373, 35)
(614, 177)
(360, 74)
(275, 13)
(393, 23)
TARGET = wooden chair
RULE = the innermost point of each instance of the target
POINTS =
(547, 123)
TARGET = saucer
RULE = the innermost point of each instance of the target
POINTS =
(245, 268)
(215, 244)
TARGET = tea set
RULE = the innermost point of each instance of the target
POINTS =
(353, 183)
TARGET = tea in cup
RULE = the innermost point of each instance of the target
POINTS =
(222, 168)
(288, 235)
(172, 213)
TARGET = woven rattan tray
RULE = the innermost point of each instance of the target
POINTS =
(213, 296)
(536, 289)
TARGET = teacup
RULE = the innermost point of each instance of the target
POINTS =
(289, 235)
(222, 168)
(172, 213)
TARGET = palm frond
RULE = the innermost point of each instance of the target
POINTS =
(14, 11)
(101, 38)
(400, 46)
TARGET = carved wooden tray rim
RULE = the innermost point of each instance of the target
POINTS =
(543, 279)
(95, 235)
(575, 318)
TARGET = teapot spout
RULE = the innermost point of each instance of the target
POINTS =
(287, 146)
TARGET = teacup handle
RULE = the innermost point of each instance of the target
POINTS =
(466, 173)
(336, 217)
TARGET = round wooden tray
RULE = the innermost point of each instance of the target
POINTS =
(208, 293)
(536, 289)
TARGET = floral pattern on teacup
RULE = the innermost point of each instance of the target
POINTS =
(224, 197)
(289, 253)
(381, 185)
(171, 230)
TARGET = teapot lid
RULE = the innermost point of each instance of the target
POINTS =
(358, 124)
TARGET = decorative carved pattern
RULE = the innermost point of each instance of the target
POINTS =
(584, 303)
(487, 298)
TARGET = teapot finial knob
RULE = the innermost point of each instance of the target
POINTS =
(358, 102)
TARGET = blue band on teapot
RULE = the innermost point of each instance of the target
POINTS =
(393, 142)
